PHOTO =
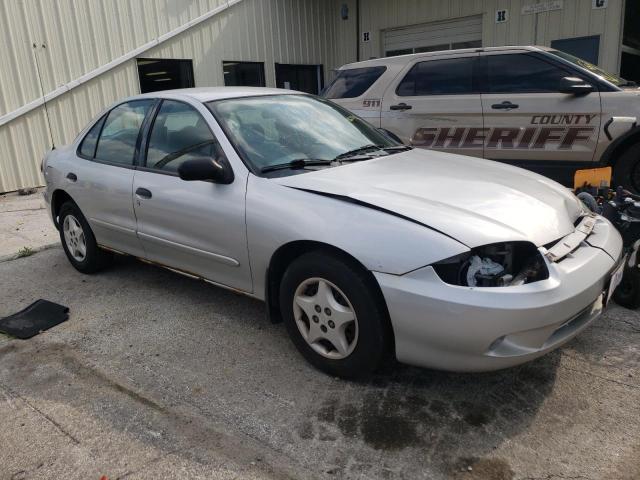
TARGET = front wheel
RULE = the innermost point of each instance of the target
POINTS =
(628, 292)
(333, 315)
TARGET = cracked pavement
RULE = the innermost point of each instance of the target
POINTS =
(156, 375)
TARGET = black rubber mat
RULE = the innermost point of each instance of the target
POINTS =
(37, 317)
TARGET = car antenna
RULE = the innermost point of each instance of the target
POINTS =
(44, 98)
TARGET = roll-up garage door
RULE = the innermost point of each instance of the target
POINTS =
(429, 37)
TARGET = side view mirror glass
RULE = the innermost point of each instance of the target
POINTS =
(216, 170)
(575, 86)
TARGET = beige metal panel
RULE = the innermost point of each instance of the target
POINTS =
(82, 36)
(576, 19)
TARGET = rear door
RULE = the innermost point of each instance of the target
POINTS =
(435, 103)
(528, 120)
(101, 178)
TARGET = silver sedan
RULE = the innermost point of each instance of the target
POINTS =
(365, 248)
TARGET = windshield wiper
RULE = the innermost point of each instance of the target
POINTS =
(366, 148)
(297, 163)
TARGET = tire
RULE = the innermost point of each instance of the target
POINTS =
(330, 291)
(626, 171)
(78, 240)
(628, 292)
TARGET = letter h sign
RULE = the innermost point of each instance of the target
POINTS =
(502, 16)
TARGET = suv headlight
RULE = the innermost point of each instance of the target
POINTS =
(497, 265)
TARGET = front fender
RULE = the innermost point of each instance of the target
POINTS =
(382, 242)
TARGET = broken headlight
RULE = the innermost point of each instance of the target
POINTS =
(496, 265)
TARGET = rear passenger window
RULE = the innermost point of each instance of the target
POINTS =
(117, 143)
(88, 145)
(353, 82)
(452, 76)
(522, 73)
(179, 133)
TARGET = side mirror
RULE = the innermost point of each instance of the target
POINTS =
(575, 86)
(216, 170)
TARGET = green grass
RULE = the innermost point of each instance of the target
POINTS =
(25, 252)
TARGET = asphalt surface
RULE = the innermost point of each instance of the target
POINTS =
(159, 376)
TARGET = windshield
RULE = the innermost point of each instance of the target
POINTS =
(609, 77)
(271, 130)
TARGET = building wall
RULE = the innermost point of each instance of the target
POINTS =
(81, 36)
(576, 19)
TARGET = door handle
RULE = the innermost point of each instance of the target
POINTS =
(72, 176)
(507, 105)
(143, 192)
(400, 106)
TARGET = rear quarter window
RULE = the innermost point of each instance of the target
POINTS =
(353, 82)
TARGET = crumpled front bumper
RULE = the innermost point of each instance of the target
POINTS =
(450, 327)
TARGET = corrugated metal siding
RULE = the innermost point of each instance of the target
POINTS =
(83, 35)
(576, 19)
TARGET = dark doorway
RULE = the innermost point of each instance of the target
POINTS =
(248, 74)
(306, 78)
(163, 74)
(586, 48)
(630, 61)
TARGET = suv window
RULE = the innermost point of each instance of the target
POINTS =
(451, 76)
(88, 145)
(523, 73)
(353, 82)
(179, 133)
(117, 143)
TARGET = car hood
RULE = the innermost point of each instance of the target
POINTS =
(475, 201)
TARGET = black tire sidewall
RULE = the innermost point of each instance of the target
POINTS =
(630, 296)
(625, 166)
(93, 260)
(372, 343)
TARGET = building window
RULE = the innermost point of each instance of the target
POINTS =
(246, 74)
(586, 48)
(164, 74)
(305, 78)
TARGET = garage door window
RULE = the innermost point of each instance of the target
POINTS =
(522, 73)
(353, 82)
(248, 74)
(438, 77)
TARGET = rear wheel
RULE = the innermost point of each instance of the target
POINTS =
(626, 172)
(78, 240)
(334, 317)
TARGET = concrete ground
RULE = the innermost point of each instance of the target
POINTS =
(24, 226)
(156, 375)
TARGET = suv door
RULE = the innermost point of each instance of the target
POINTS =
(528, 119)
(435, 103)
(101, 177)
(197, 227)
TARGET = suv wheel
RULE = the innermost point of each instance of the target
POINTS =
(627, 170)
(333, 316)
(78, 240)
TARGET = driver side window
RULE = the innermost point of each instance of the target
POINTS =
(179, 133)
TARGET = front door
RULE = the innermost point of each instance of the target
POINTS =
(435, 104)
(101, 178)
(196, 227)
(528, 120)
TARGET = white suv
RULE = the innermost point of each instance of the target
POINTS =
(535, 107)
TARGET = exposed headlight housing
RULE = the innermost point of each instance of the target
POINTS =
(497, 265)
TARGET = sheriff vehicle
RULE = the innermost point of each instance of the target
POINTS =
(534, 107)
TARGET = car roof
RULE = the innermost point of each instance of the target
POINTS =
(403, 59)
(208, 94)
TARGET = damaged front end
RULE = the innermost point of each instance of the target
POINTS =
(497, 265)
